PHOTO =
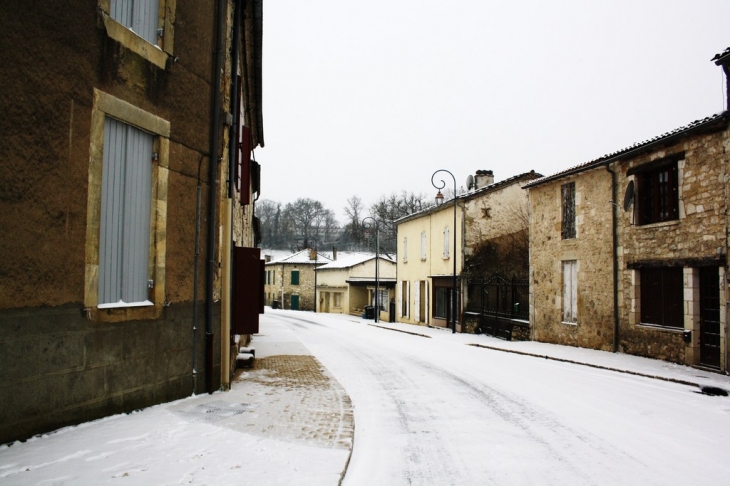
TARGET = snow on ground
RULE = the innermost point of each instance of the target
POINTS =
(429, 409)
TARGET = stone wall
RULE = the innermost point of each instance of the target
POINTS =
(58, 368)
(592, 249)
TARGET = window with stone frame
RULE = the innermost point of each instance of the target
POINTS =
(295, 277)
(567, 192)
(658, 193)
(570, 291)
(662, 296)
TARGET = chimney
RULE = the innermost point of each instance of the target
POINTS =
(723, 59)
(267, 258)
(312, 254)
(484, 178)
(334, 253)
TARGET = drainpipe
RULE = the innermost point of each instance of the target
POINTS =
(614, 208)
(213, 196)
(227, 215)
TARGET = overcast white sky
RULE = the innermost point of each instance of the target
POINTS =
(368, 98)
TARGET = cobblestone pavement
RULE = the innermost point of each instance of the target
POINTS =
(294, 398)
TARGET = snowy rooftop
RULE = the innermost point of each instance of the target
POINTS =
(302, 256)
(350, 259)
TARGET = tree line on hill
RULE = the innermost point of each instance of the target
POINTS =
(308, 223)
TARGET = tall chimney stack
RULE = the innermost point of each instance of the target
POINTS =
(723, 59)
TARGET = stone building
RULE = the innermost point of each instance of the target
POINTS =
(628, 252)
(290, 281)
(119, 132)
(488, 212)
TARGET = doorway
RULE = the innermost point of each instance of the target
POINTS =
(710, 317)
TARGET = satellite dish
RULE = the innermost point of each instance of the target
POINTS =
(470, 182)
(629, 196)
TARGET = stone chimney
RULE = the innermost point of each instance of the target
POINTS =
(267, 258)
(312, 254)
(484, 178)
(723, 59)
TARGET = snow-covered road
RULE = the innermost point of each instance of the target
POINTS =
(436, 411)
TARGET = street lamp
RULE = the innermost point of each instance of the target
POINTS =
(439, 201)
(367, 225)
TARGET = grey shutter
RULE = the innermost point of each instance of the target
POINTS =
(139, 15)
(125, 214)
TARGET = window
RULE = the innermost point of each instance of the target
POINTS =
(440, 309)
(568, 200)
(295, 277)
(658, 194)
(140, 16)
(662, 296)
(338, 299)
(570, 291)
(405, 249)
(383, 299)
(140, 24)
(446, 242)
(124, 238)
(423, 245)
(127, 212)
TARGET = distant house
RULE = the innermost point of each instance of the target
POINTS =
(628, 253)
(347, 284)
(489, 216)
(121, 132)
(290, 281)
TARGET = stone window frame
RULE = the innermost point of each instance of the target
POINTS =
(568, 230)
(293, 272)
(639, 173)
(156, 54)
(106, 105)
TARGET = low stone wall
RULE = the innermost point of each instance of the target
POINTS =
(58, 368)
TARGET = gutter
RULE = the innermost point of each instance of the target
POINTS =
(213, 196)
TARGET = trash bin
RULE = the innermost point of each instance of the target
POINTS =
(392, 311)
(275, 304)
(369, 312)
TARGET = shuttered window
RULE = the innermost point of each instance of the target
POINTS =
(141, 16)
(446, 242)
(570, 291)
(124, 239)
(662, 296)
(658, 194)
(405, 249)
(295, 277)
(423, 245)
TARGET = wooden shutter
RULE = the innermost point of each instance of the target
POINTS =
(244, 165)
(248, 288)
(124, 233)
(141, 16)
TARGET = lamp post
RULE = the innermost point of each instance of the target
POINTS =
(367, 225)
(439, 201)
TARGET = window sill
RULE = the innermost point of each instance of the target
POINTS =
(122, 304)
(569, 323)
(134, 42)
(658, 327)
(659, 224)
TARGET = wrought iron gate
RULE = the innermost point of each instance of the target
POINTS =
(500, 305)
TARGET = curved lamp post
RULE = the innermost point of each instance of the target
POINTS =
(368, 225)
(439, 201)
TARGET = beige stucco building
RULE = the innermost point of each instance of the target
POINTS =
(347, 284)
(628, 253)
(427, 252)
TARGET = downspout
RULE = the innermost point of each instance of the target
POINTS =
(614, 208)
(196, 273)
(213, 196)
(227, 215)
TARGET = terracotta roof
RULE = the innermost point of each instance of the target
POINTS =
(697, 125)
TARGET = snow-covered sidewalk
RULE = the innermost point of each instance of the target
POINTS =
(652, 368)
(286, 421)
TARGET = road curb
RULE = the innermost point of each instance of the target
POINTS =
(601, 367)
(399, 330)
